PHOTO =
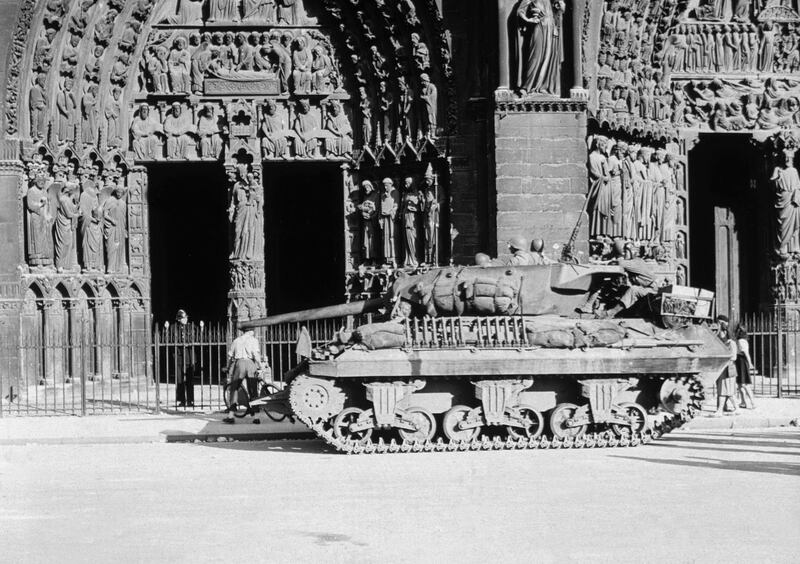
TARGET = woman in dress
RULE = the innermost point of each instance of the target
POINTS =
(726, 383)
(744, 366)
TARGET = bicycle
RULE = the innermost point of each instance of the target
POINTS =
(264, 391)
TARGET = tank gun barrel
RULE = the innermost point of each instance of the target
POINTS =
(327, 312)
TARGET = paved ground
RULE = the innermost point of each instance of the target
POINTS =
(692, 497)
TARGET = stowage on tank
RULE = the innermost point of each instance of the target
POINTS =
(558, 355)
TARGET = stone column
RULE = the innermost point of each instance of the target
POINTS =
(247, 291)
(578, 91)
(503, 12)
(11, 257)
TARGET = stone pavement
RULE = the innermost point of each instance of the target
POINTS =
(144, 427)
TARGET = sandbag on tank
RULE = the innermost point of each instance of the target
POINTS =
(493, 292)
(559, 332)
(381, 335)
(446, 293)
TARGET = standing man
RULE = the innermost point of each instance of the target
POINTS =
(244, 359)
(185, 363)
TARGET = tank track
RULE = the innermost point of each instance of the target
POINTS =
(604, 439)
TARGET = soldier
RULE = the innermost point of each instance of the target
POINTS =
(538, 254)
(520, 256)
(641, 284)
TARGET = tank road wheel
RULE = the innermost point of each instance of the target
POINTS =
(452, 418)
(533, 421)
(637, 417)
(561, 416)
(315, 399)
(341, 426)
(424, 421)
(675, 396)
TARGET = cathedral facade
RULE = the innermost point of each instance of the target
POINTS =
(236, 158)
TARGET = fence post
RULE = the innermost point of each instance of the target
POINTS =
(779, 323)
(157, 367)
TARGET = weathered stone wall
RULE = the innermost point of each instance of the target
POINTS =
(541, 175)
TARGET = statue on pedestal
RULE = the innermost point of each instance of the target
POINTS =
(40, 241)
(90, 228)
(245, 213)
(412, 204)
(389, 206)
(369, 221)
(542, 45)
(115, 231)
(177, 126)
(787, 205)
(431, 208)
(65, 226)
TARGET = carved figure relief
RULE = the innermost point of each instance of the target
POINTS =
(340, 140)
(90, 229)
(541, 52)
(369, 208)
(411, 206)
(787, 204)
(39, 220)
(246, 215)
(65, 226)
(144, 130)
(431, 217)
(388, 219)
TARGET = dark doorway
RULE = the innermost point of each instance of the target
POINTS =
(304, 227)
(724, 221)
(188, 240)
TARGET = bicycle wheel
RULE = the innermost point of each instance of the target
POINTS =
(241, 398)
(267, 389)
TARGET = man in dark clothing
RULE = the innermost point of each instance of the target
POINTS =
(184, 360)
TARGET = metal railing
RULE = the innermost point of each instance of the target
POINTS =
(173, 368)
(774, 340)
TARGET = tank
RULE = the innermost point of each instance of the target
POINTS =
(506, 357)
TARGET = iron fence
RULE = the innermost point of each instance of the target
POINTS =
(173, 368)
(774, 340)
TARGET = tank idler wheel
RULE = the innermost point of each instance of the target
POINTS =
(343, 422)
(560, 418)
(533, 421)
(450, 424)
(637, 416)
(423, 420)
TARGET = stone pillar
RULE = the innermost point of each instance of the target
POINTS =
(578, 91)
(503, 49)
(247, 291)
(11, 257)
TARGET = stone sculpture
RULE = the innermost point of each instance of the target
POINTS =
(412, 204)
(273, 128)
(177, 126)
(65, 106)
(540, 26)
(143, 134)
(388, 218)
(245, 213)
(787, 205)
(40, 243)
(90, 229)
(115, 231)
(369, 221)
(37, 103)
(431, 217)
(208, 130)
(428, 107)
(112, 111)
(340, 142)
(306, 128)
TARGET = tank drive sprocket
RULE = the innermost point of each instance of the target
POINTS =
(315, 399)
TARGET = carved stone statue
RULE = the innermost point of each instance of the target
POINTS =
(365, 105)
(261, 11)
(199, 64)
(628, 177)
(280, 49)
(89, 115)
(412, 203)
(655, 174)
(180, 63)
(37, 104)
(290, 12)
(388, 218)
(245, 213)
(306, 128)
(669, 221)
(614, 167)
(301, 66)
(340, 143)
(787, 205)
(273, 127)
(115, 231)
(540, 24)
(40, 242)
(644, 212)
(431, 213)
(66, 106)
(143, 134)
(600, 194)
(65, 226)
(223, 10)
(90, 229)
(112, 111)
(177, 126)
(369, 221)
(321, 70)
(428, 99)
(208, 130)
